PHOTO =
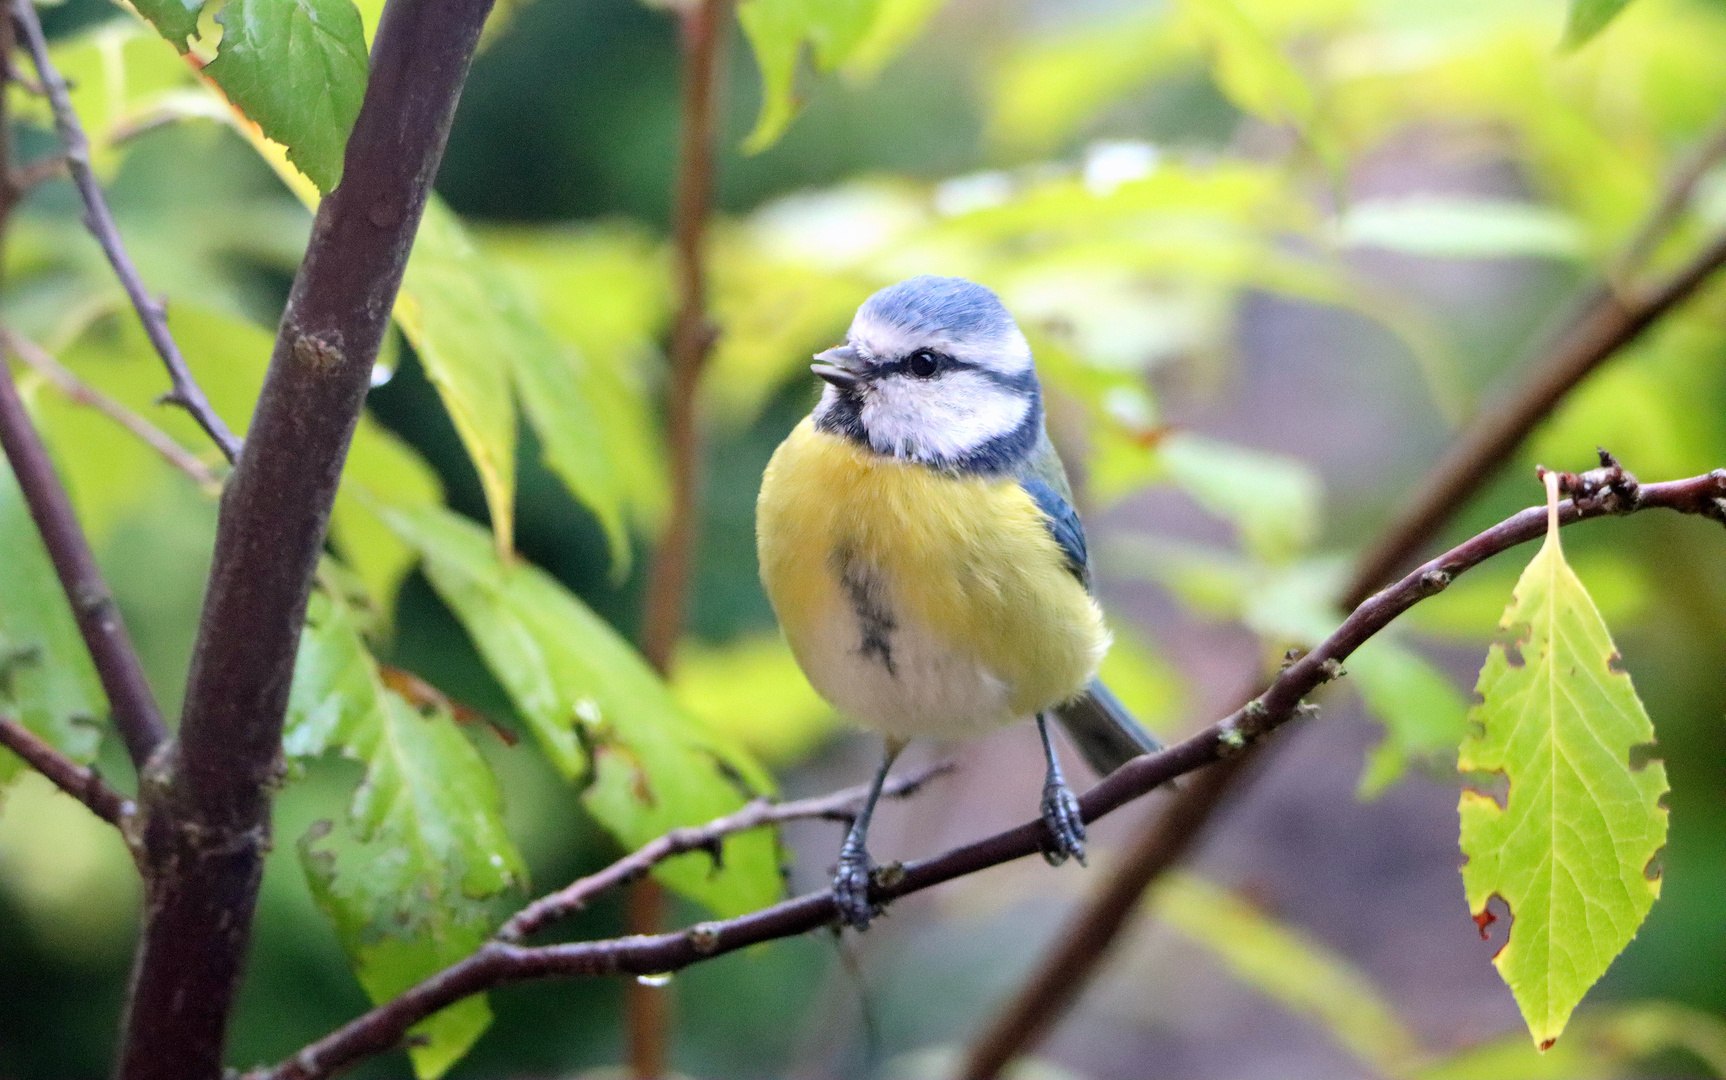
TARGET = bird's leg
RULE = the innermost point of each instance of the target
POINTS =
(1060, 808)
(851, 883)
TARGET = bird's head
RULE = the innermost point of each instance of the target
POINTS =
(934, 370)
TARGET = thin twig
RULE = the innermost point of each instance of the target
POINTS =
(186, 392)
(501, 963)
(839, 806)
(1608, 325)
(80, 392)
(83, 784)
(1674, 200)
(122, 676)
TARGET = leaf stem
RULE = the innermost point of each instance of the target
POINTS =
(500, 963)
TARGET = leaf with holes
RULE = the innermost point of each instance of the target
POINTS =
(298, 69)
(1571, 851)
(405, 883)
(599, 712)
(47, 682)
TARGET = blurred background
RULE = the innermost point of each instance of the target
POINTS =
(1261, 314)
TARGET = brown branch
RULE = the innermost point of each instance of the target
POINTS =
(1596, 494)
(701, 32)
(1074, 958)
(83, 784)
(206, 808)
(80, 392)
(122, 676)
(701, 29)
(100, 221)
(839, 806)
(1674, 200)
(1608, 322)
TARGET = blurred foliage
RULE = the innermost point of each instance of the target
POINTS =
(1131, 178)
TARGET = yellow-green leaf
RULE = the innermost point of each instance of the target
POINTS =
(1422, 711)
(1588, 18)
(753, 691)
(1572, 850)
(405, 883)
(381, 464)
(581, 688)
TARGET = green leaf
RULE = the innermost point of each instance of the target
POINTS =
(1248, 66)
(1588, 18)
(1571, 852)
(404, 884)
(1290, 967)
(861, 35)
(1422, 711)
(298, 68)
(1605, 1044)
(1272, 501)
(47, 682)
(477, 333)
(582, 689)
(176, 20)
(1447, 227)
(381, 464)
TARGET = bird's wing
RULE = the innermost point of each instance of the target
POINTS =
(1044, 478)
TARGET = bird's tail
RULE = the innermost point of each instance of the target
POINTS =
(1103, 730)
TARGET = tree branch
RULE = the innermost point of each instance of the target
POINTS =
(1594, 494)
(701, 32)
(1610, 320)
(83, 784)
(839, 806)
(129, 698)
(80, 392)
(100, 221)
(206, 809)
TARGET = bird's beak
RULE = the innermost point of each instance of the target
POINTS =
(841, 366)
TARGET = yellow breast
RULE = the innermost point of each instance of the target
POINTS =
(919, 602)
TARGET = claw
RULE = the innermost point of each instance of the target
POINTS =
(1066, 827)
(851, 890)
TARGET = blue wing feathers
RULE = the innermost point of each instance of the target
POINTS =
(1063, 524)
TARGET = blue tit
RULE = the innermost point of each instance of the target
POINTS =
(918, 542)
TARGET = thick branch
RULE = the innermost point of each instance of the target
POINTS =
(1610, 321)
(501, 963)
(81, 783)
(839, 806)
(207, 809)
(186, 393)
(80, 392)
(129, 698)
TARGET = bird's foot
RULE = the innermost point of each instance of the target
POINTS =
(1066, 827)
(851, 888)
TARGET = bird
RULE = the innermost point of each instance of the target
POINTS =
(917, 540)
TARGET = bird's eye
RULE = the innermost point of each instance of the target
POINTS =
(921, 363)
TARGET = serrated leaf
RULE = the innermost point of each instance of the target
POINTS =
(176, 20)
(1290, 967)
(47, 682)
(1571, 850)
(298, 69)
(426, 845)
(579, 685)
(1587, 18)
(860, 35)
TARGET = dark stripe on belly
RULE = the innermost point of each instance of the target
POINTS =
(874, 617)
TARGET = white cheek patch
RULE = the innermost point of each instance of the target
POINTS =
(942, 419)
